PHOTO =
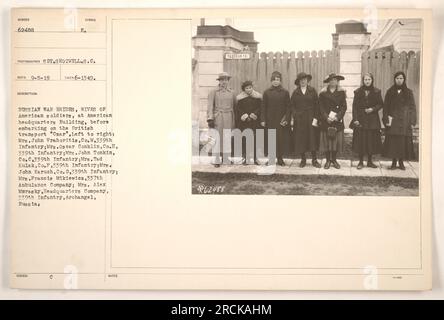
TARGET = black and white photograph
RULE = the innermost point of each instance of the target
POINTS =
(313, 106)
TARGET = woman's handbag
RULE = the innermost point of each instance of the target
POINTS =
(331, 132)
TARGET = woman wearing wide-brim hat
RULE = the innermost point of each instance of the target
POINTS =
(305, 112)
(332, 108)
(220, 114)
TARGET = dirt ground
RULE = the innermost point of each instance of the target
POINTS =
(248, 183)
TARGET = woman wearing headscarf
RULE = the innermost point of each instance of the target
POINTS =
(305, 113)
(247, 115)
(220, 114)
(332, 107)
(365, 123)
(399, 117)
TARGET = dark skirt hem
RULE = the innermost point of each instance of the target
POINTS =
(366, 141)
(398, 147)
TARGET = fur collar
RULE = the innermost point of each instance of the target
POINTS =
(339, 88)
(243, 95)
(362, 90)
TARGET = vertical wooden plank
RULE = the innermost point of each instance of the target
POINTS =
(270, 65)
(285, 75)
(403, 61)
(278, 65)
(412, 80)
(329, 63)
(378, 69)
(292, 69)
(254, 72)
(410, 69)
(396, 64)
(321, 71)
(299, 62)
(417, 77)
(386, 71)
(262, 72)
(306, 62)
(278, 61)
(313, 64)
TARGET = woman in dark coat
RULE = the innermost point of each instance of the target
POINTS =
(332, 107)
(247, 115)
(275, 112)
(304, 109)
(366, 124)
(399, 116)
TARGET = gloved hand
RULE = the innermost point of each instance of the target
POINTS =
(253, 116)
(244, 117)
(210, 123)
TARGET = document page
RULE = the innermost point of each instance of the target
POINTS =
(241, 149)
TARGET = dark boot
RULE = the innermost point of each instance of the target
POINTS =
(303, 161)
(314, 160)
(393, 166)
(370, 163)
(281, 162)
(361, 162)
(334, 163)
(401, 164)
(327, 160)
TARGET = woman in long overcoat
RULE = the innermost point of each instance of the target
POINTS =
(332, 107)
(247, 115)
(305, 109)
(275, 112)
(366, 123)
(399, 116)
(220, 114)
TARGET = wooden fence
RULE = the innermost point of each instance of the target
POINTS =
(383, 65)
(260, 66)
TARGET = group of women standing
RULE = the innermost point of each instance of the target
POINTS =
(399, 117)
(318, 120)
